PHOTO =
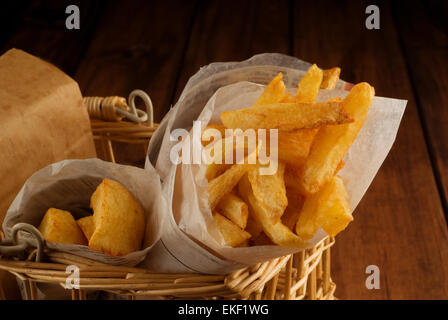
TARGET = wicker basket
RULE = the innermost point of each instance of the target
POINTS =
(305, 275)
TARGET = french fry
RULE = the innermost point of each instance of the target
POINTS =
(332, 142)
(308, 87)
(234, 209)
(59, 226)
(328, 208)
(330, 78)
(286, 116)
(294, 146)
(206, 136)
(223, 184)
(334, 211)
(273, 93)
(276, 231)
(232, 234)
(269, 190)
(87, 226)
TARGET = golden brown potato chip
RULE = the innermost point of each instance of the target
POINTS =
(232, 234)
(286, 116)
(334, 212)
(309, 85)
(119, 220)
(59, 226)
(276, 231)
(235, 209)
(215, 169)
(223, 184)
(273, 93)
(269, 190)
(330, 78)
(87, 226)
(332, 142)
(328, 208)
(294, 146)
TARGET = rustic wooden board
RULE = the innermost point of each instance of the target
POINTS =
(423, 27)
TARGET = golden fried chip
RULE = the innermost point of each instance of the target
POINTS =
(119, 220)
(309, 85)
(330, 78)
(276, 231)
(332, 142)
(59, 226)
(294, 146)
(269, 190)
(232, 234)
(233, 208)
(286, 116)
(273, 93)
(223, 184)
(328, 208)
(262, 240)
(334, 213)
(87, 226)
(253, 226)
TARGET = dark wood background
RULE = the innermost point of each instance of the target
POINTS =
(400, 225)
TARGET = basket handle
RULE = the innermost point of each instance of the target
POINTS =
(17, 246)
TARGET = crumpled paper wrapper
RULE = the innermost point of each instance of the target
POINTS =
(69, 184)
(191, 241)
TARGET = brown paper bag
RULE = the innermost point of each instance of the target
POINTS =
(42, 120)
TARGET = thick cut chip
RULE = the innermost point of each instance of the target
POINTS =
(235, 209)
(87, 226)
(223, 184)
(287, 116)
(119, 220)
(334, 209)
(273, 93)
(332, 142)
(269, 190)
(59, 226)
(276, 231)
(328, 208)
(309, 85)
(207, 135)
(294, 146)
(330, 78)
(232, 234)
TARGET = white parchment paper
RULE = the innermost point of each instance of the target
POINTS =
(190, 241)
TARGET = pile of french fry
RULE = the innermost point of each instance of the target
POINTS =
(305, 193)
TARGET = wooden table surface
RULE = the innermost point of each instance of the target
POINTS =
(400, 225)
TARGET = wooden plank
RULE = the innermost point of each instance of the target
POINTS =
(138, 45)
(43, 32)
(399, 225)
(11, 15)
(235, 31)
(423, 30)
